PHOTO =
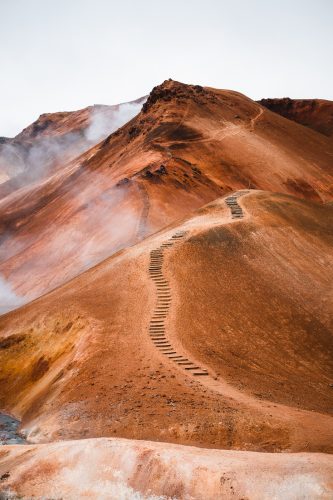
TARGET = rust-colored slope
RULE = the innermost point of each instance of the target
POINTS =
(188, 146)
(83, 361)
(313, 113)
(233, 141)
(57, 124)
(255, 304)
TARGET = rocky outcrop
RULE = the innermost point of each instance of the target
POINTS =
(171, 90)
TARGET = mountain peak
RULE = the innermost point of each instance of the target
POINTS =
(170, 90)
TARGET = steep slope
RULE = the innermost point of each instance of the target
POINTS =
(56, 138)
(188, 146)
(165, 340)
(316, 114)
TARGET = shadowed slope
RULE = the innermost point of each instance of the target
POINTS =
(188, 146)
(313, 113)
(80, 362)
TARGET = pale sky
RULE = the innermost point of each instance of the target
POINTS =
(59, 55)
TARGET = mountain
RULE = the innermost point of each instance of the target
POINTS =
(188, 146)
(56, 138)
(316, 114)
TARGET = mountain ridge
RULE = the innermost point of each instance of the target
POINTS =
(316, 114)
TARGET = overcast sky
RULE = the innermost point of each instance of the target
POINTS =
(58, 55)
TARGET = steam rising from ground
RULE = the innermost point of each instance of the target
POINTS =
(31, 159)
(102, 123)
(106, 222)
(8, 298)
(95, 222)
(102, 220)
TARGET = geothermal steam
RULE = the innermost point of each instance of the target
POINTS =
(8, 298)
(28, 161)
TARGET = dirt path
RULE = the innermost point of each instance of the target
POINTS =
(157, 329)
(142, 228)
(230, 129)
(256, 118)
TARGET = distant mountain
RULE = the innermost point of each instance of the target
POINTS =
(56, 138)
(313, 113)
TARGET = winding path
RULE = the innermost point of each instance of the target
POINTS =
(142, 229)
(229, 129)
(254, 120)
(157, 330)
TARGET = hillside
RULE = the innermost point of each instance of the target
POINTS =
(188, 146)
(165, 340)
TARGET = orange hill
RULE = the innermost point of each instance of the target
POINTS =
(214, 332)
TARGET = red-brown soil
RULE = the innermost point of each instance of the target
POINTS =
(316, 114)
(187, 147)
(250, 303)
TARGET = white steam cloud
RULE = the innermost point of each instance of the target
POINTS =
(8, 298)
(103, 124)
(102, 221)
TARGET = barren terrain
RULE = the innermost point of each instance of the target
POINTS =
(140, 470)
(182, 270)
(261, 393)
